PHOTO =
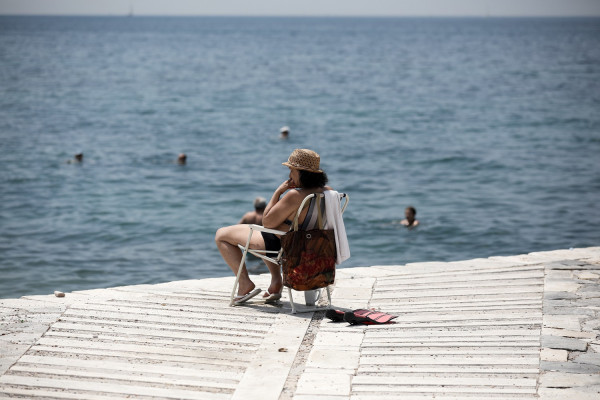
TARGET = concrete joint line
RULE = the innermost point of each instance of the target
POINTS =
(268, 370)
(24, 351)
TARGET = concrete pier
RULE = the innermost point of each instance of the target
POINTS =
(519, 327)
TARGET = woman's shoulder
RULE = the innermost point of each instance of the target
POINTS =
(300, 193)
(295, 194)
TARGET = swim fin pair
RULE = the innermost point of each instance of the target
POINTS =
(360, 317)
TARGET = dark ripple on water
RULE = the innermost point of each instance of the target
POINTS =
(489, 127)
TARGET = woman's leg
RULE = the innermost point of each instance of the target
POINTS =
(276, 279)
(227, 239)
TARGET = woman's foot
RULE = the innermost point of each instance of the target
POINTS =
(245, 293)
(271, 297)
(274, 290)
(245, 288)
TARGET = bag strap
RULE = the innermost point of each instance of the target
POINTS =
(319, 217)
(317, 198)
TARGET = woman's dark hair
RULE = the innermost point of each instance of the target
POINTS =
(311, 180)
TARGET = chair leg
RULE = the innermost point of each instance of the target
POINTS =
(292, 301)
(239, 273)
(328, 296)
(310, 307)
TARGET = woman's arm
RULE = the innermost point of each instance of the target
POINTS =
(280, 208)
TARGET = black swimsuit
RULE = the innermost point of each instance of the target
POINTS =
(272, 242)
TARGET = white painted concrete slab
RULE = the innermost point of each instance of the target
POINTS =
(465, 330)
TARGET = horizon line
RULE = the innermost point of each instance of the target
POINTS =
(297, 16)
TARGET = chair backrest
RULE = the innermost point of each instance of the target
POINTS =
(315, 218)
(309, 255)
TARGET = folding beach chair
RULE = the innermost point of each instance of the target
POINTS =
(311, 296)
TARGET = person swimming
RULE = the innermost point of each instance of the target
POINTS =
(410, 213)
(78, 158)
(284, 132)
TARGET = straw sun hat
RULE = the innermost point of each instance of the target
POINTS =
(304, 159)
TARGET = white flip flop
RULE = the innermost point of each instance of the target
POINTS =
(242, 299)
(272, 297)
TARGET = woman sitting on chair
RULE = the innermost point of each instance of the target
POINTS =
(305, 178)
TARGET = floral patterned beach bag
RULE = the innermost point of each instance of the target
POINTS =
(308, 259)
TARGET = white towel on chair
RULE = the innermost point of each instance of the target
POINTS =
(335, 221)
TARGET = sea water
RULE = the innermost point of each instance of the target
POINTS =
(489, 127)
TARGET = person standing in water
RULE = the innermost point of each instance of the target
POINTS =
(256, 216)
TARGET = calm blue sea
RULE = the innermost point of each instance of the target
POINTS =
(489, 127)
